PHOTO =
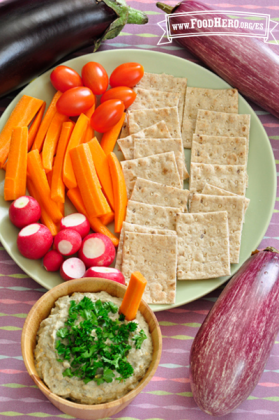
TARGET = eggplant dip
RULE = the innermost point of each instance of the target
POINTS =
(88, 353)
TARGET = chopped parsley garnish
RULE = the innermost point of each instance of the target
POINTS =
(94, 344)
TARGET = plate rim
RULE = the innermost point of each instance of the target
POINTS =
(156, 308)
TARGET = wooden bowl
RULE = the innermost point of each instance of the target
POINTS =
(42, 309)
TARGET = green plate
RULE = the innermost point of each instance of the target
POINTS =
(261, 166)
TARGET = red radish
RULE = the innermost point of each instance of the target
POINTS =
(97, 249)
(67, 241)
(24, 211)
(52, 260)
(72, 268)
(34, 241)
(106, 273)
(76, 221)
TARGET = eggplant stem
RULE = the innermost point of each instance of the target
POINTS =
(165, 7)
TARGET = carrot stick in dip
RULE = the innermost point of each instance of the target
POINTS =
(131, 301)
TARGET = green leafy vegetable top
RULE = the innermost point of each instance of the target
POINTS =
(94, 344)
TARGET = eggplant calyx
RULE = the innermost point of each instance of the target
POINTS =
(125, 14)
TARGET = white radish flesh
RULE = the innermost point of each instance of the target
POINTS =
(67, 242)
(34, 241)
(97, 250)
(24, 211)
(72, 268)
(106, 273)
(76, 221)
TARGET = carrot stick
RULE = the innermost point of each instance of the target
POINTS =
(45, 218)
(91, 110)
(131, 300)
(119, 191)
(39, 179)
(49, 177)
(94, 200)
(95, 223)
(51, 140)
(107, 218)
(76, 139)
(51, 111)
(35, 125)
(89, 135)
(101, 164)
(15, 179)
(21, 116)
(110, 137)
(61, 207)
(57, 190)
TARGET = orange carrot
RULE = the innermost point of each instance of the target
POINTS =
(51, 140)
(94, 200)
(21, 116)
(57, 189)
(95, 223)
(89, 135)
(35, 125)
(76, 139)
(119, 191)
(15, 179)
(39, 179)
(61, 207)
(49, 177)
(45, 218)
(91, 110)
(110, 137)
(101, 164)
(107, 218)
(131, 300)
(51, 111)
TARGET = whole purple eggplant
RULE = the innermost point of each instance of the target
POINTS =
(247, 64)
(35, 34)
(232, 346)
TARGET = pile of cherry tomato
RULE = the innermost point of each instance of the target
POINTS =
(79, 91)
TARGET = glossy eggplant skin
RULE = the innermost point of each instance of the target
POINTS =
(247, 64)
(35, 34)
(232, 346)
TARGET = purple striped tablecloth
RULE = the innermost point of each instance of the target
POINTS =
(168, 396)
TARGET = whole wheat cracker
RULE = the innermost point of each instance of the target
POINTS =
(222, 100)
(151, 216)
(223, 124)
(149, 147)
(158, 130)
(151, 99)
(219, 150)
(209, 189)
(203, 245)
(155, 256)
(229, 177)
(202, 203)
(157, 168)
(150, 192)
(142, 118)
(128, 227)
(167, 83)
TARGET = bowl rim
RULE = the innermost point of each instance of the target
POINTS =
(87, 407)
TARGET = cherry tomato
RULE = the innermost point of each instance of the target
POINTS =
(127, 74)
(125, 94)
(107, 115)
(75, 101)
(64, 78)
(95, 77)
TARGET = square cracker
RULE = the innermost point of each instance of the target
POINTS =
(155, 256)
(157, 168)
(149, 192)
(151, 99)
(209, 189)
(203, 245)
(228, 177)
(149, 147)
(222, 100)
(138, 120)
(151, 216)
(167, 83)
(219, 150)
(223, 124)
(159, 130)
(128, 227)
(201, 203)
